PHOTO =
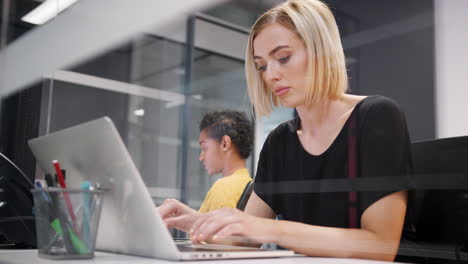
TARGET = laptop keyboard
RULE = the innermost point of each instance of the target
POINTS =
(188, 247)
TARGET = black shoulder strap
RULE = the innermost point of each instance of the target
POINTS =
(352, 172)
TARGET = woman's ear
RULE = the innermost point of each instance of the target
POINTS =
(226, 142)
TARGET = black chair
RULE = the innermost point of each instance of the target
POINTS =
(438, 203)
(17, 226)
(245, 196)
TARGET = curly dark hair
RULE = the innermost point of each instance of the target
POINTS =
(234, 124)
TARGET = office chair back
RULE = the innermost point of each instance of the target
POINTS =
(245, 196)
(439, 213)
(17, 226)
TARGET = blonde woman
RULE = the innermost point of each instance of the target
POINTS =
(295, 59)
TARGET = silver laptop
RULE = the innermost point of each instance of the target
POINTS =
(130, 223)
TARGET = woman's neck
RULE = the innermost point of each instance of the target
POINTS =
(232, 166)
(315, 117)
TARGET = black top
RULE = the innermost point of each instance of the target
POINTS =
(296, 184)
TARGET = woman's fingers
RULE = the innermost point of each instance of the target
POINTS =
(203, 218)
(168, 208)
(210, 223)
(173, 222)
(212, 226)
(172, 207)
(177, 215)
(232, 225)
(231, 231)
(182, 222)
(200, 220)
(251, 233)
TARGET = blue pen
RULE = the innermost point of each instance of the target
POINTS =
(44, 194)
(52, 213)
(86, 185)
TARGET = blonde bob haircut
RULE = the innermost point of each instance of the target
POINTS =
(315, 25)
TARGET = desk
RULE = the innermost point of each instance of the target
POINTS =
(30, 257)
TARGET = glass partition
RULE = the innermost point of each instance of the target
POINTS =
(142, 85)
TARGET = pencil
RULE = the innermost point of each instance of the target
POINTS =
(61, 179)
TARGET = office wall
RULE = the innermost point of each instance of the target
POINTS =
(451, 54)
(390, 51)
(402, 68)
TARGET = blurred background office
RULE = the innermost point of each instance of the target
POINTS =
(155, 67)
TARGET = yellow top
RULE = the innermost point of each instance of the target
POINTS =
(226, 191)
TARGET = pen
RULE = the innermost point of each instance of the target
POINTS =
(48, 205)
(60, 177)
(86, 185)
(49, 180)
(44, 194)
(59, 224)
(65, 194)
(70, 238)
(63, 174)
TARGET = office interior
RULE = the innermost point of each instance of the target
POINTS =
(155, 68)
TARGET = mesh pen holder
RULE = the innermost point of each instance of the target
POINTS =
(67, 222)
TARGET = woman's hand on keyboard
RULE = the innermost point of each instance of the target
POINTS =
(177, 215)
(231, 226)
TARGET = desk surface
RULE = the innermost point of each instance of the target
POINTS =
(30, 256)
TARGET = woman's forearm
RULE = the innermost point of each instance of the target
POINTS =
(318, 241)
(378, 238)
(332, 242)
